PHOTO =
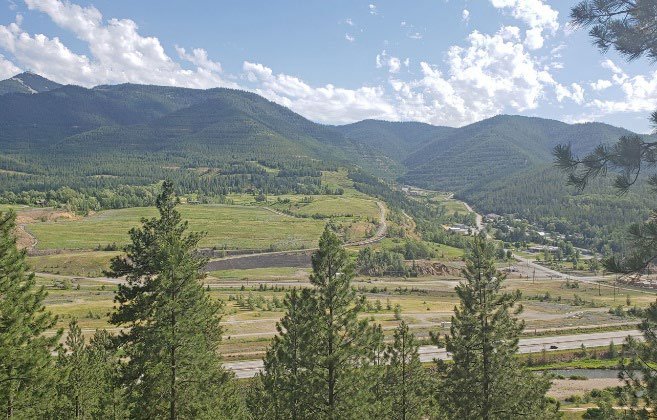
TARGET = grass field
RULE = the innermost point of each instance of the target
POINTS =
(232, 227)
(269, 273)
(330, 206)
(7, 207)
(84, 264)
(443, 252)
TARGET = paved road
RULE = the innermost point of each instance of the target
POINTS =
(480, 219)
(249, 368)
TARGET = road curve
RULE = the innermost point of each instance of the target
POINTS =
(249, 368)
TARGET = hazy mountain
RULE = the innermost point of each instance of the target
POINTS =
(394, 139)
(27, 83)
(219, 125)
(497, 147)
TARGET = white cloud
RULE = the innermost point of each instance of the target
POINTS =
(349, 38)
(392, 63)
(538, 15)
(373, 10)
(465, 15)
(118, 52)
(199, 57)
(327, 104)
(415, 35)
(7, 68)
(640, 91)
(492, 74)
(575, 93)
(349, 22)
(601, 85)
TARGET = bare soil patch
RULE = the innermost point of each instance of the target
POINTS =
(299, 259)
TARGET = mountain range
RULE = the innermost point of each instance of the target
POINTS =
(132, 132)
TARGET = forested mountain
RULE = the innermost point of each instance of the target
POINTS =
(216, 141)
(27, 83)
(494, 148)
(396, 140)
(210, 141)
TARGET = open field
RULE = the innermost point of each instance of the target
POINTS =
(7, 207)
(253, 304)
(84, 264)
(236, 227)
(443, 252)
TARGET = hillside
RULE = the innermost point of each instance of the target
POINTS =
(27, 83)
(492, 149)
(209, 141)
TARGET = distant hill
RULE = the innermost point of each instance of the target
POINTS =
(396, 140)
(497, 147)
(27, 83)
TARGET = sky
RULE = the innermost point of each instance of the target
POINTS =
(443, 62)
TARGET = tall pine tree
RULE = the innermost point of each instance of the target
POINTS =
(316, 368)
(485, 380)
(282, 392)
(341, 341)
(172, 330)
(26, 365)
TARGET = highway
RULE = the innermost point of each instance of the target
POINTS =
(249, 368)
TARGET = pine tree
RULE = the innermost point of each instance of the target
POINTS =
(283, 392)
(27, 374)
(74, 368)
(317, 365)
(341, 341)
(88, 386)
(407, 384)
(628, 27)
(485, 380)
(104, 360)
(172, 333)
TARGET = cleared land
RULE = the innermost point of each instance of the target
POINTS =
(84, 264)
(231, 227)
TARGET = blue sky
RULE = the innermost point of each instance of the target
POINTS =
(438, 61)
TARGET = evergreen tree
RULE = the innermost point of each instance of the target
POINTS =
(485, 380)
(74, 368)
(637, 369)
(407, 384)
(27, 374)
(172, 367)
(283, 387)
(628, 27)
(316, 366)
(88, 377)
(341, 341)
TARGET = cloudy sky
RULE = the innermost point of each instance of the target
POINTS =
(445, 62)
